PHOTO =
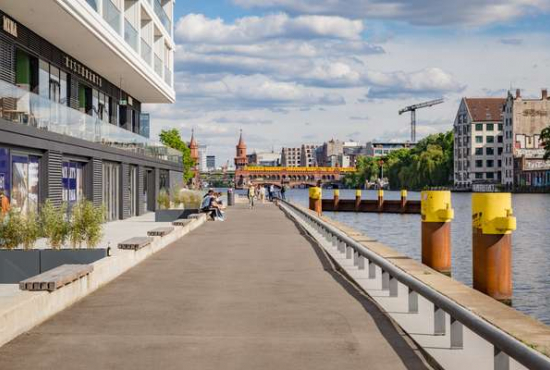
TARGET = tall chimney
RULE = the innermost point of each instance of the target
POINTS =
(544, 94)
(518, 93)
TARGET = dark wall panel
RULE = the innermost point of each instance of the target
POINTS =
(125, 193)
(53, 161)
(97, 182)
(140, 188)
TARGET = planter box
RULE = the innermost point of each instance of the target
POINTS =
(171, 215)
(17, 265)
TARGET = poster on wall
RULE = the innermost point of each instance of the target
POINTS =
(72, 182)
(20, 188)
(2, 181)
(33, 182)
(65, 180)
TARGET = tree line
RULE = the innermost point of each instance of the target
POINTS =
(428, 164)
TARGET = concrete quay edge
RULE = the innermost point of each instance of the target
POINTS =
(24, 310)
(522, 327)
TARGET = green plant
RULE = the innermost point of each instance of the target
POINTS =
(12, 230)
(176, 196)
(172, 139)
(86, 221)
(54, 224)
(163, 199)
(31, 230)
(191, 199)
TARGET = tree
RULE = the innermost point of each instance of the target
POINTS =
(545, 138)
(172, 139)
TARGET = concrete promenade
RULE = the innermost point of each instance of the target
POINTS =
(248, 293)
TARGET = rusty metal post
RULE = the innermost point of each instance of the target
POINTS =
(336, 199)
(436, 230)
(403, 199)
(492, 226)
(316, 199)
(380, 200)
(357, 200)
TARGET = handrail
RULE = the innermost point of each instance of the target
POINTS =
(500, 339)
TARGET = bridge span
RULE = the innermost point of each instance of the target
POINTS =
(290, 176)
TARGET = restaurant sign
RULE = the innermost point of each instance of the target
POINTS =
(82, 71)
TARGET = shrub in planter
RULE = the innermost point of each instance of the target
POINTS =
(12, 230)
(176, 197)
(31, 230)
(163, 199)
(54, 224)
(191, 199)
(86, 221)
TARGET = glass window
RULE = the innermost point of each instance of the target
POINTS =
(479, 175)
(479, 163)
(499, 139)
(490, 127)
(499, 151)
(95, 103)
(500, 126)
(479, 151)
(479, 139)
(55, 86)
(25, 170)
(490, 151)
(63, 88)
(479, 127)
(490, 163)
(73, 182)
(490, 139)
(5, 171)
(44, 79)
(490, 175)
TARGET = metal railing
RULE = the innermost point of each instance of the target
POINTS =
(168, 76)
(130, 35)
(146, 51)
(505, 345)
(26, 108)
(158, 65)
(111, 14)
(164, 19)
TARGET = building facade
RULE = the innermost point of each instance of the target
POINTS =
(211, 162)
(479, 142)
(71, 125)
(265, 159)
(308, 155)
(203, 154)
(524, 167)
(291, 157)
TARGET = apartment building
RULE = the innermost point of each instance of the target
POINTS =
(479, 142)
(291, 157)
(308, 157)
(73, 77)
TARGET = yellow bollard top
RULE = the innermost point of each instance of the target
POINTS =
(315, 193)
(404, 193)
(436, 206)
(358, 193)
(492, 213)
(380, 193)
(336, 192)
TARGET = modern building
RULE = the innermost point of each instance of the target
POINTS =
(203, 154)
(73, 77)
(211, 162)
(524, 166)
(264, 159)
(329, 153)
(308, 155)
(291, 157)
(381, 149)
(479, 144)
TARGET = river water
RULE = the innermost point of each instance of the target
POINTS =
(531, 240)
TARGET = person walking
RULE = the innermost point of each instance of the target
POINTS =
(251, 195)
(262, 194)
(271, 192)
(283, 192)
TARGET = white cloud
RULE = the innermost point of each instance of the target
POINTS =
(423, 12)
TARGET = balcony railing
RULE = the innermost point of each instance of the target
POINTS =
(93, 4)
(145, 51)
(158, 65)
(130, 35)
(26, 108)
(168, 76)
(164, 19)
(111, 15)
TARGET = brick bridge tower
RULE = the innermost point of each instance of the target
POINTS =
(241, 160)
(194, 148)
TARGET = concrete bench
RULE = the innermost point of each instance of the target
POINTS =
(135, 243)
(160, 231)
(56, 278)
(197, 216)
(181, 222)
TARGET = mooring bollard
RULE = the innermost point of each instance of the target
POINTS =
(358, 196)
(380, 199)
(336, 199)
(316, 199)
(404, 194)
(492, 226)
(230, 197)
(436, 230)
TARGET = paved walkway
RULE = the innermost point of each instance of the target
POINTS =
(248, 293)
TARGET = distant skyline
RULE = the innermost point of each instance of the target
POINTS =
(305, 71)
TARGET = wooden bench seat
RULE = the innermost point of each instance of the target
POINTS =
(135, 243)
(55, 278)
(160, 231)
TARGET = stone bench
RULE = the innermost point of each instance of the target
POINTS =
(181, 222)
(135, 243)
(55, 278)
(160, 231)
(197, 216)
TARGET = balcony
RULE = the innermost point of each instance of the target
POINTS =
(26, 108)
(167, 76)
(145, 51)
(111, 14)
(158, 65)
(164, 19)
(93, 4)
(131, 35)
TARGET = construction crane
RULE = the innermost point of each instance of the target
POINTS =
(413, 109)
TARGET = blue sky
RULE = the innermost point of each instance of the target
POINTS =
(305, 71)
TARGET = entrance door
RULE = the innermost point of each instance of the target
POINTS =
(132, 184)
(111, 190)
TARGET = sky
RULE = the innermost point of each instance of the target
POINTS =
(288, 72)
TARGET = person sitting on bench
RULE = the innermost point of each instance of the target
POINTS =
(211, 206)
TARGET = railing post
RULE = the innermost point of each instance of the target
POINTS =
(404, 195)
(316, 199)
(380, 200)
(357, 200)
(336, 199)
(492, 226)
(436, 230)
(502, 360)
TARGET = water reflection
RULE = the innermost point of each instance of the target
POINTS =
(531, 241)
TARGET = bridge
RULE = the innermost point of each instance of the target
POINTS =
(290, 176)
(277, 287)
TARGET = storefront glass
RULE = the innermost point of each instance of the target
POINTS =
(25, 182)
(111, 190)
(73, 182)
(5, 171)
